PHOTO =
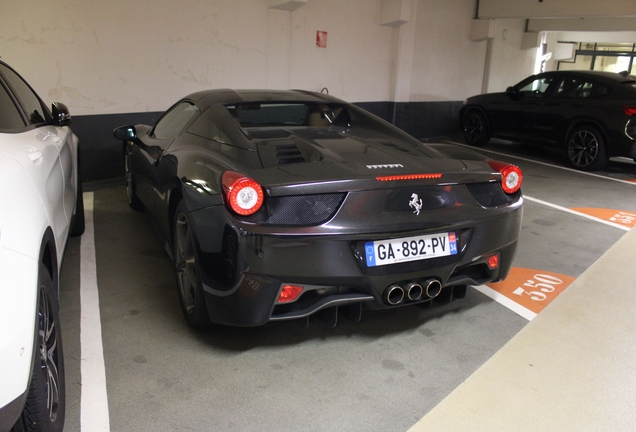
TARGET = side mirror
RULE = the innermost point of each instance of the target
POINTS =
(125, 133)
(514, 94)
(61, 114)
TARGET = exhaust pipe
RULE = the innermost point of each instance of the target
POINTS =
(432, 287)
(394, 294)
(414, 291)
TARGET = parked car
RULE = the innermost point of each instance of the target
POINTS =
(591, 115)
(41, 205)
(279, 204)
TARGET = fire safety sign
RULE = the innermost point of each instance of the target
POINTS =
(321, 39)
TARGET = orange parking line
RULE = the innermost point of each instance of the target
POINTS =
(621, 217)
(532, 289)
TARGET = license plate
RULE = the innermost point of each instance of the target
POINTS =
(410, 249)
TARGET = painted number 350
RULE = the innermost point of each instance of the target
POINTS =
(538, 286)
(624, 218)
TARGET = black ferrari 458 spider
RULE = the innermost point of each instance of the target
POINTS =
(279, 204)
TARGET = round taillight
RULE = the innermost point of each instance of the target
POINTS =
(511, 176)
(242, 194)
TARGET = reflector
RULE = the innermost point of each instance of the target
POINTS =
(493, 261)
(289, 293)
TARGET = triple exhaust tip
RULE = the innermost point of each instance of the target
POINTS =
(412, 291)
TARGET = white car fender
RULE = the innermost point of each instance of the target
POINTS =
(39, 186)
(21, 233)
(18, 283)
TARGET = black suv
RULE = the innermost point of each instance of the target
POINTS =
(591, 115)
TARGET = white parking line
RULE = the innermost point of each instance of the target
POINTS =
(505, 301)
(567, 210)
(482, 150)
(94, 400)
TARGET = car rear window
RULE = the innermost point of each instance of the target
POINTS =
(286, 114)
(256, 114)
(571, 87)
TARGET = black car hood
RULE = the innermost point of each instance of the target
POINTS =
(338, 153)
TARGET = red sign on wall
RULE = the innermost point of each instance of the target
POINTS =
(321, 39)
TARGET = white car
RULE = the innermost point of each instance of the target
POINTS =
(40, 206)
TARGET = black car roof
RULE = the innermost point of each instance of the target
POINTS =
(599, 75)
(206, 98)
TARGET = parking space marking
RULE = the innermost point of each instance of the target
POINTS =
(530, 289)
(482, 150)
(578, 213)
(625, 217)
(94, 399)
(527, 291)
(505, 301)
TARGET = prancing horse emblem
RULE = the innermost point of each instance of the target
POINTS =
(415, 203)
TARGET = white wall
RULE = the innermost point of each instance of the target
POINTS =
(446, 65)
(509, 63)
(119, 56)
(356, 63)
(125, 56)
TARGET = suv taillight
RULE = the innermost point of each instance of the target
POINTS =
(630, 110)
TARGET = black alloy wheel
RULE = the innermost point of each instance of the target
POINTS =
(46, 400)
(475, 128)
(133, 200)
(586, 149)
(187, 271)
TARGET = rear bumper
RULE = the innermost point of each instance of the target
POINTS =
(333, 272)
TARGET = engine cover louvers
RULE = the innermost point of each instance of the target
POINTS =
(286, 154)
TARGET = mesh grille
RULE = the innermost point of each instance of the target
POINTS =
(299, 210)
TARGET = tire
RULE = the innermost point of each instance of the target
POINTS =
(586, 149)
(46, 405)
(475, 128)
(133, 201)
(187, 269)
(79, 223)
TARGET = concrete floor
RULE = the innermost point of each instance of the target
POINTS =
(383, 374)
